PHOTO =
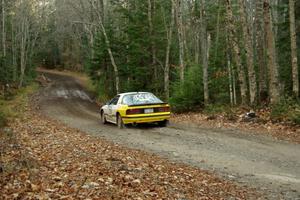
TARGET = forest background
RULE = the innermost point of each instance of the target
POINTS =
(196, 54)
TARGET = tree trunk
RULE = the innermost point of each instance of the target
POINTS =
(151, 33)
(3, 29)
(101, 7)
(24, 31)
(217, 32)
(260, 52)
(169, 42)
(151, 28)
(13, 51)
(204, 51)
(90, 30)
(196, 48)
(249, 53)
(230, 75)
(274, 85)
(236, 52)
(112, 59)
(180, 38)
(294, 49)
(274, 11)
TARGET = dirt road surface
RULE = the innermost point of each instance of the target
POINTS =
(254, 160)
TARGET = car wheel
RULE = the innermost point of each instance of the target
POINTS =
(103, 119)
(120, 122)
(163, 123)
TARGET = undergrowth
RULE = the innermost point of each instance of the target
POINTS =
(286, 110)
(188, 96)
(16, 104)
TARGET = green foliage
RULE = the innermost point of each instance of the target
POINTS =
(213, 109)
(132, 51)
(286, 110)
(100, 70)
(295, 117)
(188, 96)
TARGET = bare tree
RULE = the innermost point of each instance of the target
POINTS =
(249, 52)
(180, 38)
(231, 80)
(24, 38)
(151, 9)
(260, 52)
(14, 52)
(169, 31)
(294, 48)
(204, 51)
(274, 86)
(236, 52)
(3, 29)
(112, 59)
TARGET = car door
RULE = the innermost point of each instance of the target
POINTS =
(106, 110)
(112, 108)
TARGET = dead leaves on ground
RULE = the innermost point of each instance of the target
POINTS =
(52, 161)
(259, 125)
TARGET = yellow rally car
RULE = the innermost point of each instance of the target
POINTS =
(135, 108)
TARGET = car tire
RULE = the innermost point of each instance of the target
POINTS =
(103, 119)
(163, 123)
(120, 123)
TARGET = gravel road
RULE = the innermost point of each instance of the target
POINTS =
(257, 161)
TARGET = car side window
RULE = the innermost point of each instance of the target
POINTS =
(109, 103)
(114, 101)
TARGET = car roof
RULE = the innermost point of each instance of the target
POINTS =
(129, 93)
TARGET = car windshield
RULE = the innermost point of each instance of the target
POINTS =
(140, 99)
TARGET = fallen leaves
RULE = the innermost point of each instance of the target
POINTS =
(63, 163)
(259, 125)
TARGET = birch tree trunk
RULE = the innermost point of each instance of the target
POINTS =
(13, 50)
(204, 51)
(236, 52)
(249, 53)
(294, 49)
(112, 59)
(230, 74)
(274, 86)
(107, 42)
(180, 38)
(169, 42)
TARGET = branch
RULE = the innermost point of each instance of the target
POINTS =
(86, 23)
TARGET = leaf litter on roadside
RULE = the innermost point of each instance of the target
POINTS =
(259, 125)
(51, 161)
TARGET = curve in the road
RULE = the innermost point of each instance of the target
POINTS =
(256, 161)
